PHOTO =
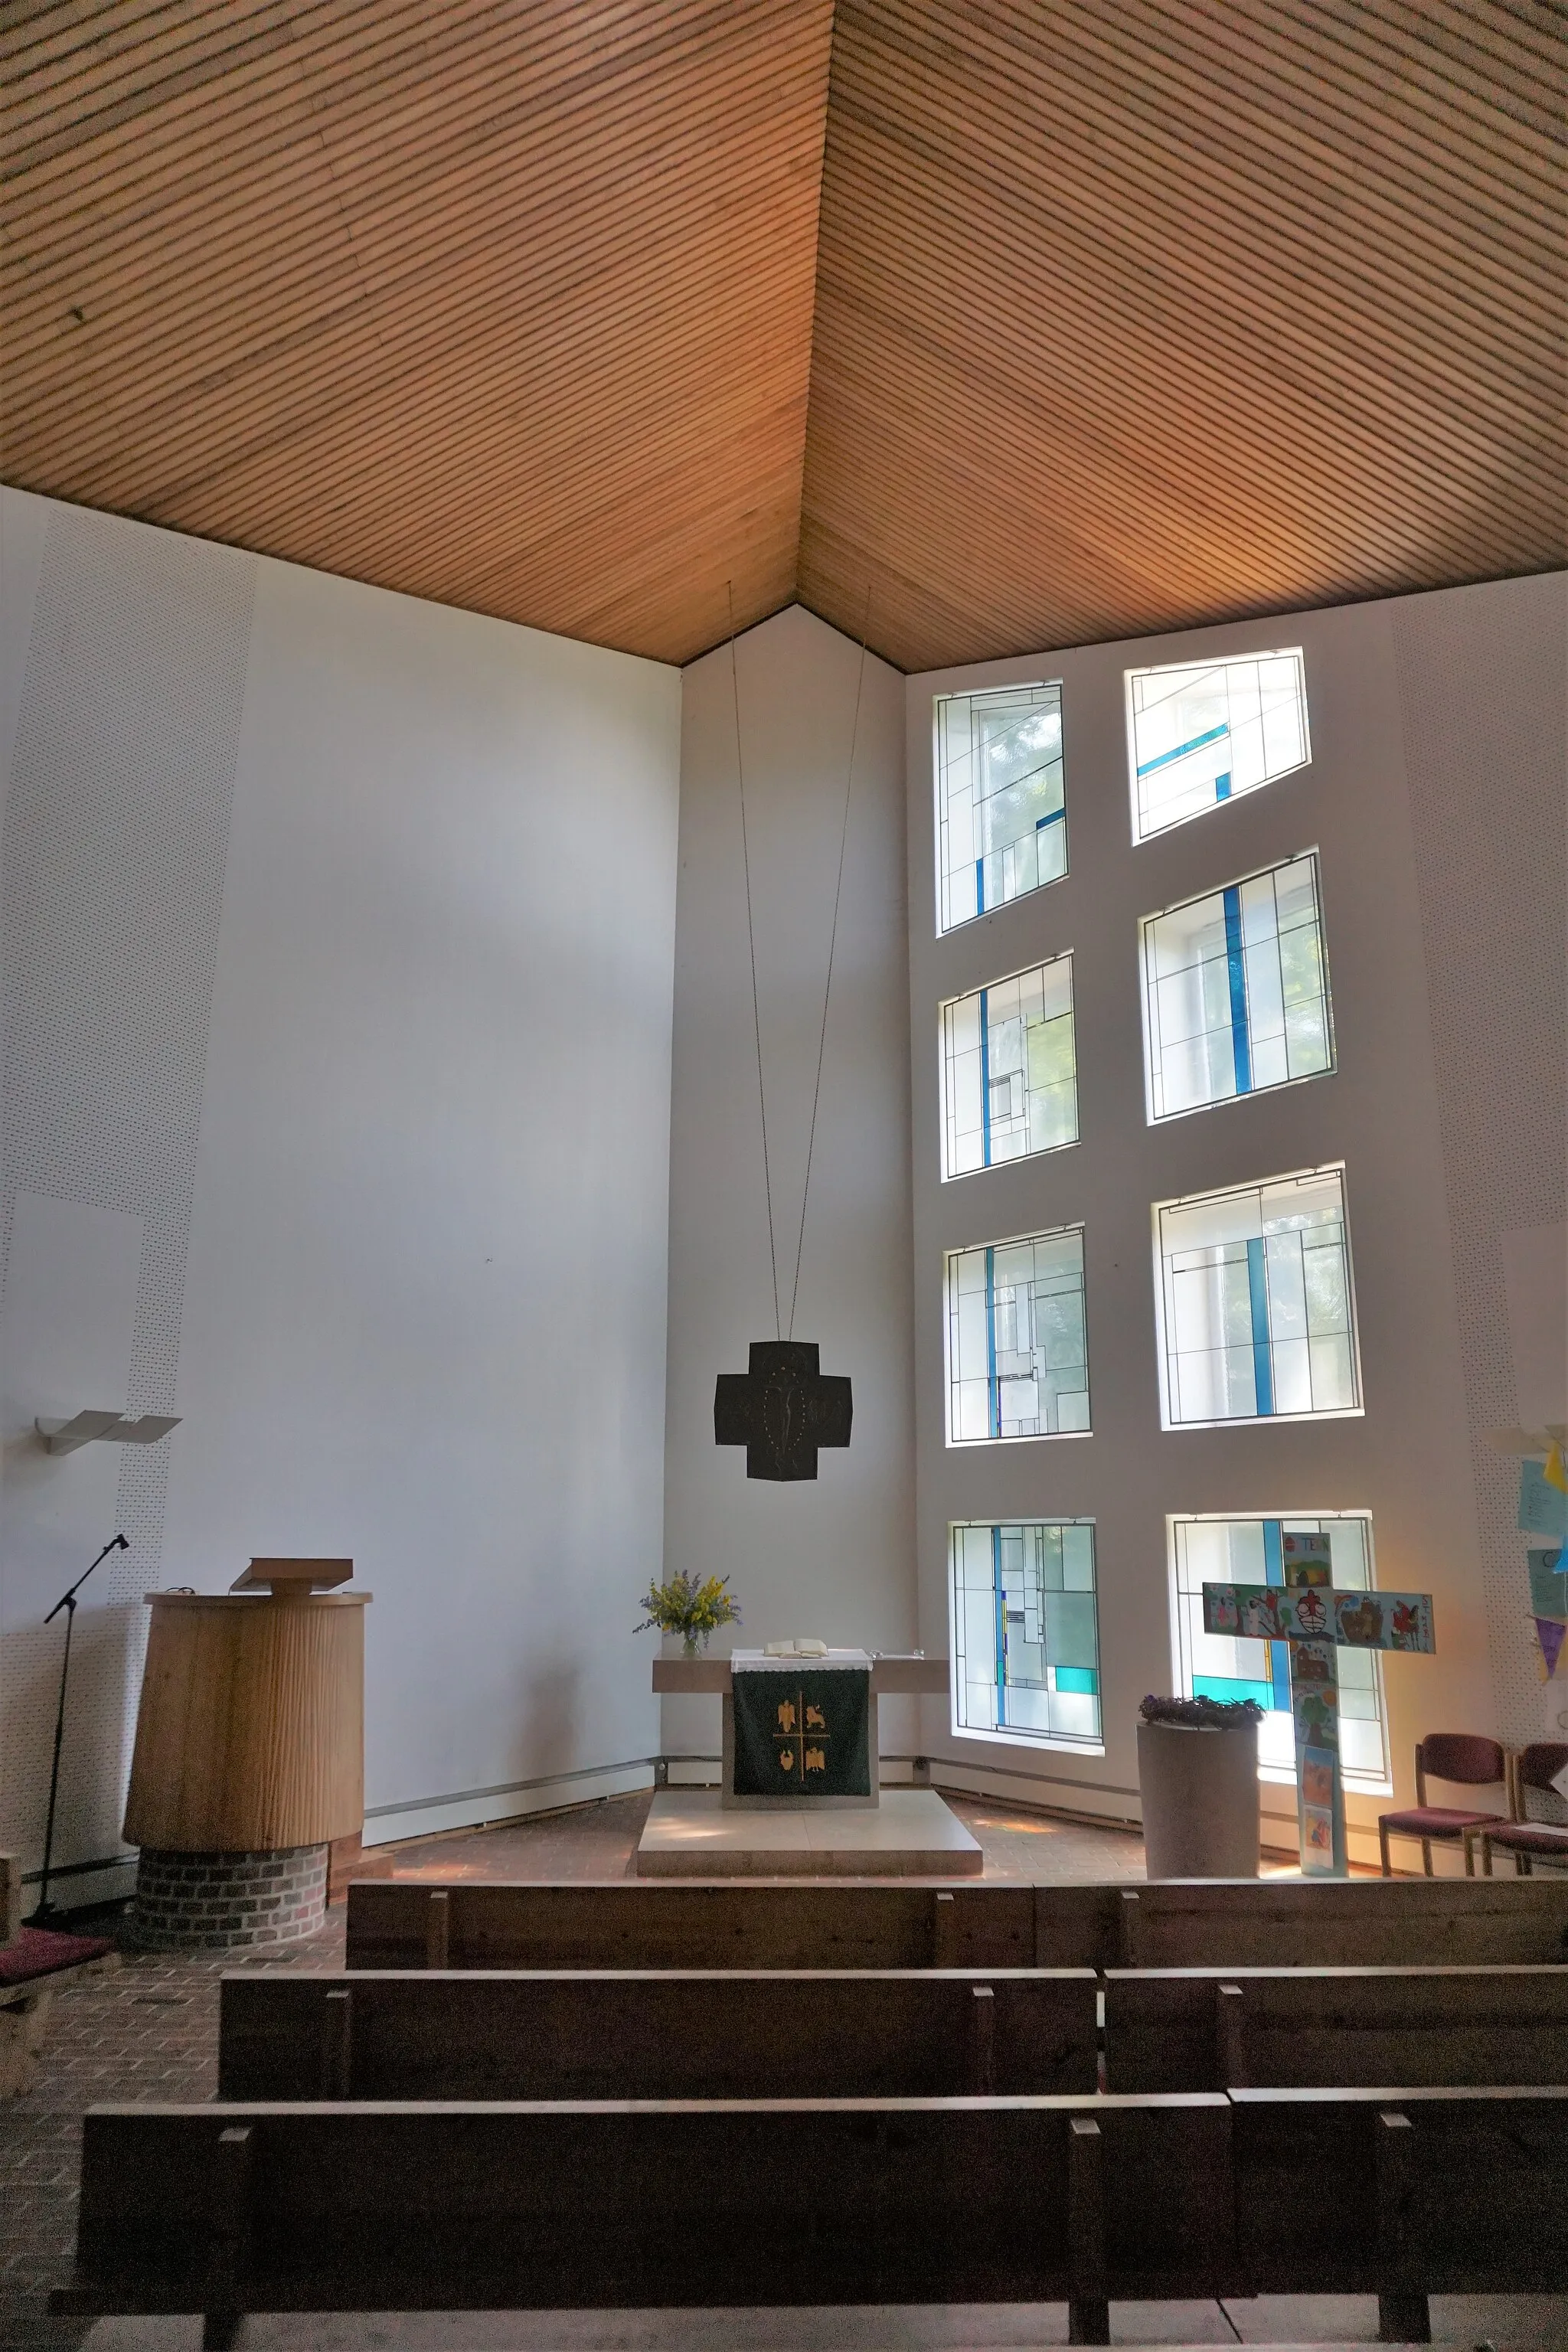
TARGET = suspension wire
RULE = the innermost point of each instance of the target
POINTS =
(832, 949)
(751, 941)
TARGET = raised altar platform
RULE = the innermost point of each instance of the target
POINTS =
(691, 1833)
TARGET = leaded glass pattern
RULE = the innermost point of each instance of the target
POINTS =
(1025, 1631)
(1212, 1665)
(1236, 991)
(1009, 1070)
(1001, 807)
(1017, 1354)
(1202, 733)
(1256, 1310)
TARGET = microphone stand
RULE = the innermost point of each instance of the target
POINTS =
(48, 1910)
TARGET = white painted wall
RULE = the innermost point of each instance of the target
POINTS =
(423, 1297)
(834, 1557)
(1408, 1460)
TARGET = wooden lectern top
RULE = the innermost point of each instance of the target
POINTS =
(285, 1578)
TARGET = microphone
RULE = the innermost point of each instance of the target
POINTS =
(123, 1541)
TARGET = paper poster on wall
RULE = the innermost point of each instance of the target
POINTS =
(1549, 1633)
(1542, 1508)
(1549, 1584)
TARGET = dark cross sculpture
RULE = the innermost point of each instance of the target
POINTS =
(782, 1410)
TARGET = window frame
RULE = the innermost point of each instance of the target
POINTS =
(1218, 661)
(1030, 1437)
(1357, 1411)
(944, 1006)
(945, 929)
(1008, 1735)
(1153, 1118)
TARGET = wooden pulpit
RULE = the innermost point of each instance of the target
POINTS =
(250, 1736)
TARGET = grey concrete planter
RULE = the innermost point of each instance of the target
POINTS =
(1200, 1800)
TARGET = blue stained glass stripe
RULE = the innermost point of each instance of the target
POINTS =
(984, 1082)
(1277, 1653)
(1262, 1361)
(1054, 816)
(1222, 786)
(1078, 1678)
(1001, 1606)
(1273, 1553)
(1237, 968)
(980, 885)
(993, 1387)
(1164, 758)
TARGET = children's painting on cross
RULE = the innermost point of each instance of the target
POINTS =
(1315, 1622)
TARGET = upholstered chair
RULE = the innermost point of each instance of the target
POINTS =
(1534, 1767)
(1461, 1757)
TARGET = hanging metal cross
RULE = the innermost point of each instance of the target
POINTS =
(782, 1410)
(1314, 1621)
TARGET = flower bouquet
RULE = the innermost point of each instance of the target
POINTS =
(691, 1610)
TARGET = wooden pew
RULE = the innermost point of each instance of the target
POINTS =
(1285, 1923)
(1402, 2194)
(868, 2034)
(1226, 2029)
(1236, 1923)
(231, 2209)
(647, 1923)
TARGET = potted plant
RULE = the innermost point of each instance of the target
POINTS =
(691, 1610)
(1197, 1767)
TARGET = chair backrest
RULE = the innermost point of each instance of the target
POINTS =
(1462, 1756)
(1539, 1765)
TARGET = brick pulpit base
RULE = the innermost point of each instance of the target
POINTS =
(187, 1900)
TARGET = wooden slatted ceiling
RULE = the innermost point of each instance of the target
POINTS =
(506, 305)
(1140, 315)
(1125, 316)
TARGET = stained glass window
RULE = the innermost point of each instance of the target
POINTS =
(1009, 1080)
(1025, 1632)
(1017, 1352)
(1236, 991)
(1001, 807)
(1256, 1311)
(1215, 1665)
(1202, 733)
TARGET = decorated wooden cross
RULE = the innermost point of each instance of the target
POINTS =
(1314, 1621)
(782, 1410)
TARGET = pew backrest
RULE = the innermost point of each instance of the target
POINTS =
(651, 1923)
(1239, 1922)
(1341, 1923)
(226, 2207)
(1227, 2029)
(646, 2034)
(516, 2206)
(1419, 2190)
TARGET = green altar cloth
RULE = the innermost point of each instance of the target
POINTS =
(802, 1731)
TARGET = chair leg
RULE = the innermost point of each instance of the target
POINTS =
(1383, 1842)
(1486, 1855)
(1469, 1857)
(1427, 1856)
(1526, 1864)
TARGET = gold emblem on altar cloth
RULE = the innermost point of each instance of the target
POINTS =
(815, 1761)
(787, 1715)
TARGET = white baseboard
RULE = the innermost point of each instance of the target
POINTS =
(471, 1809)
